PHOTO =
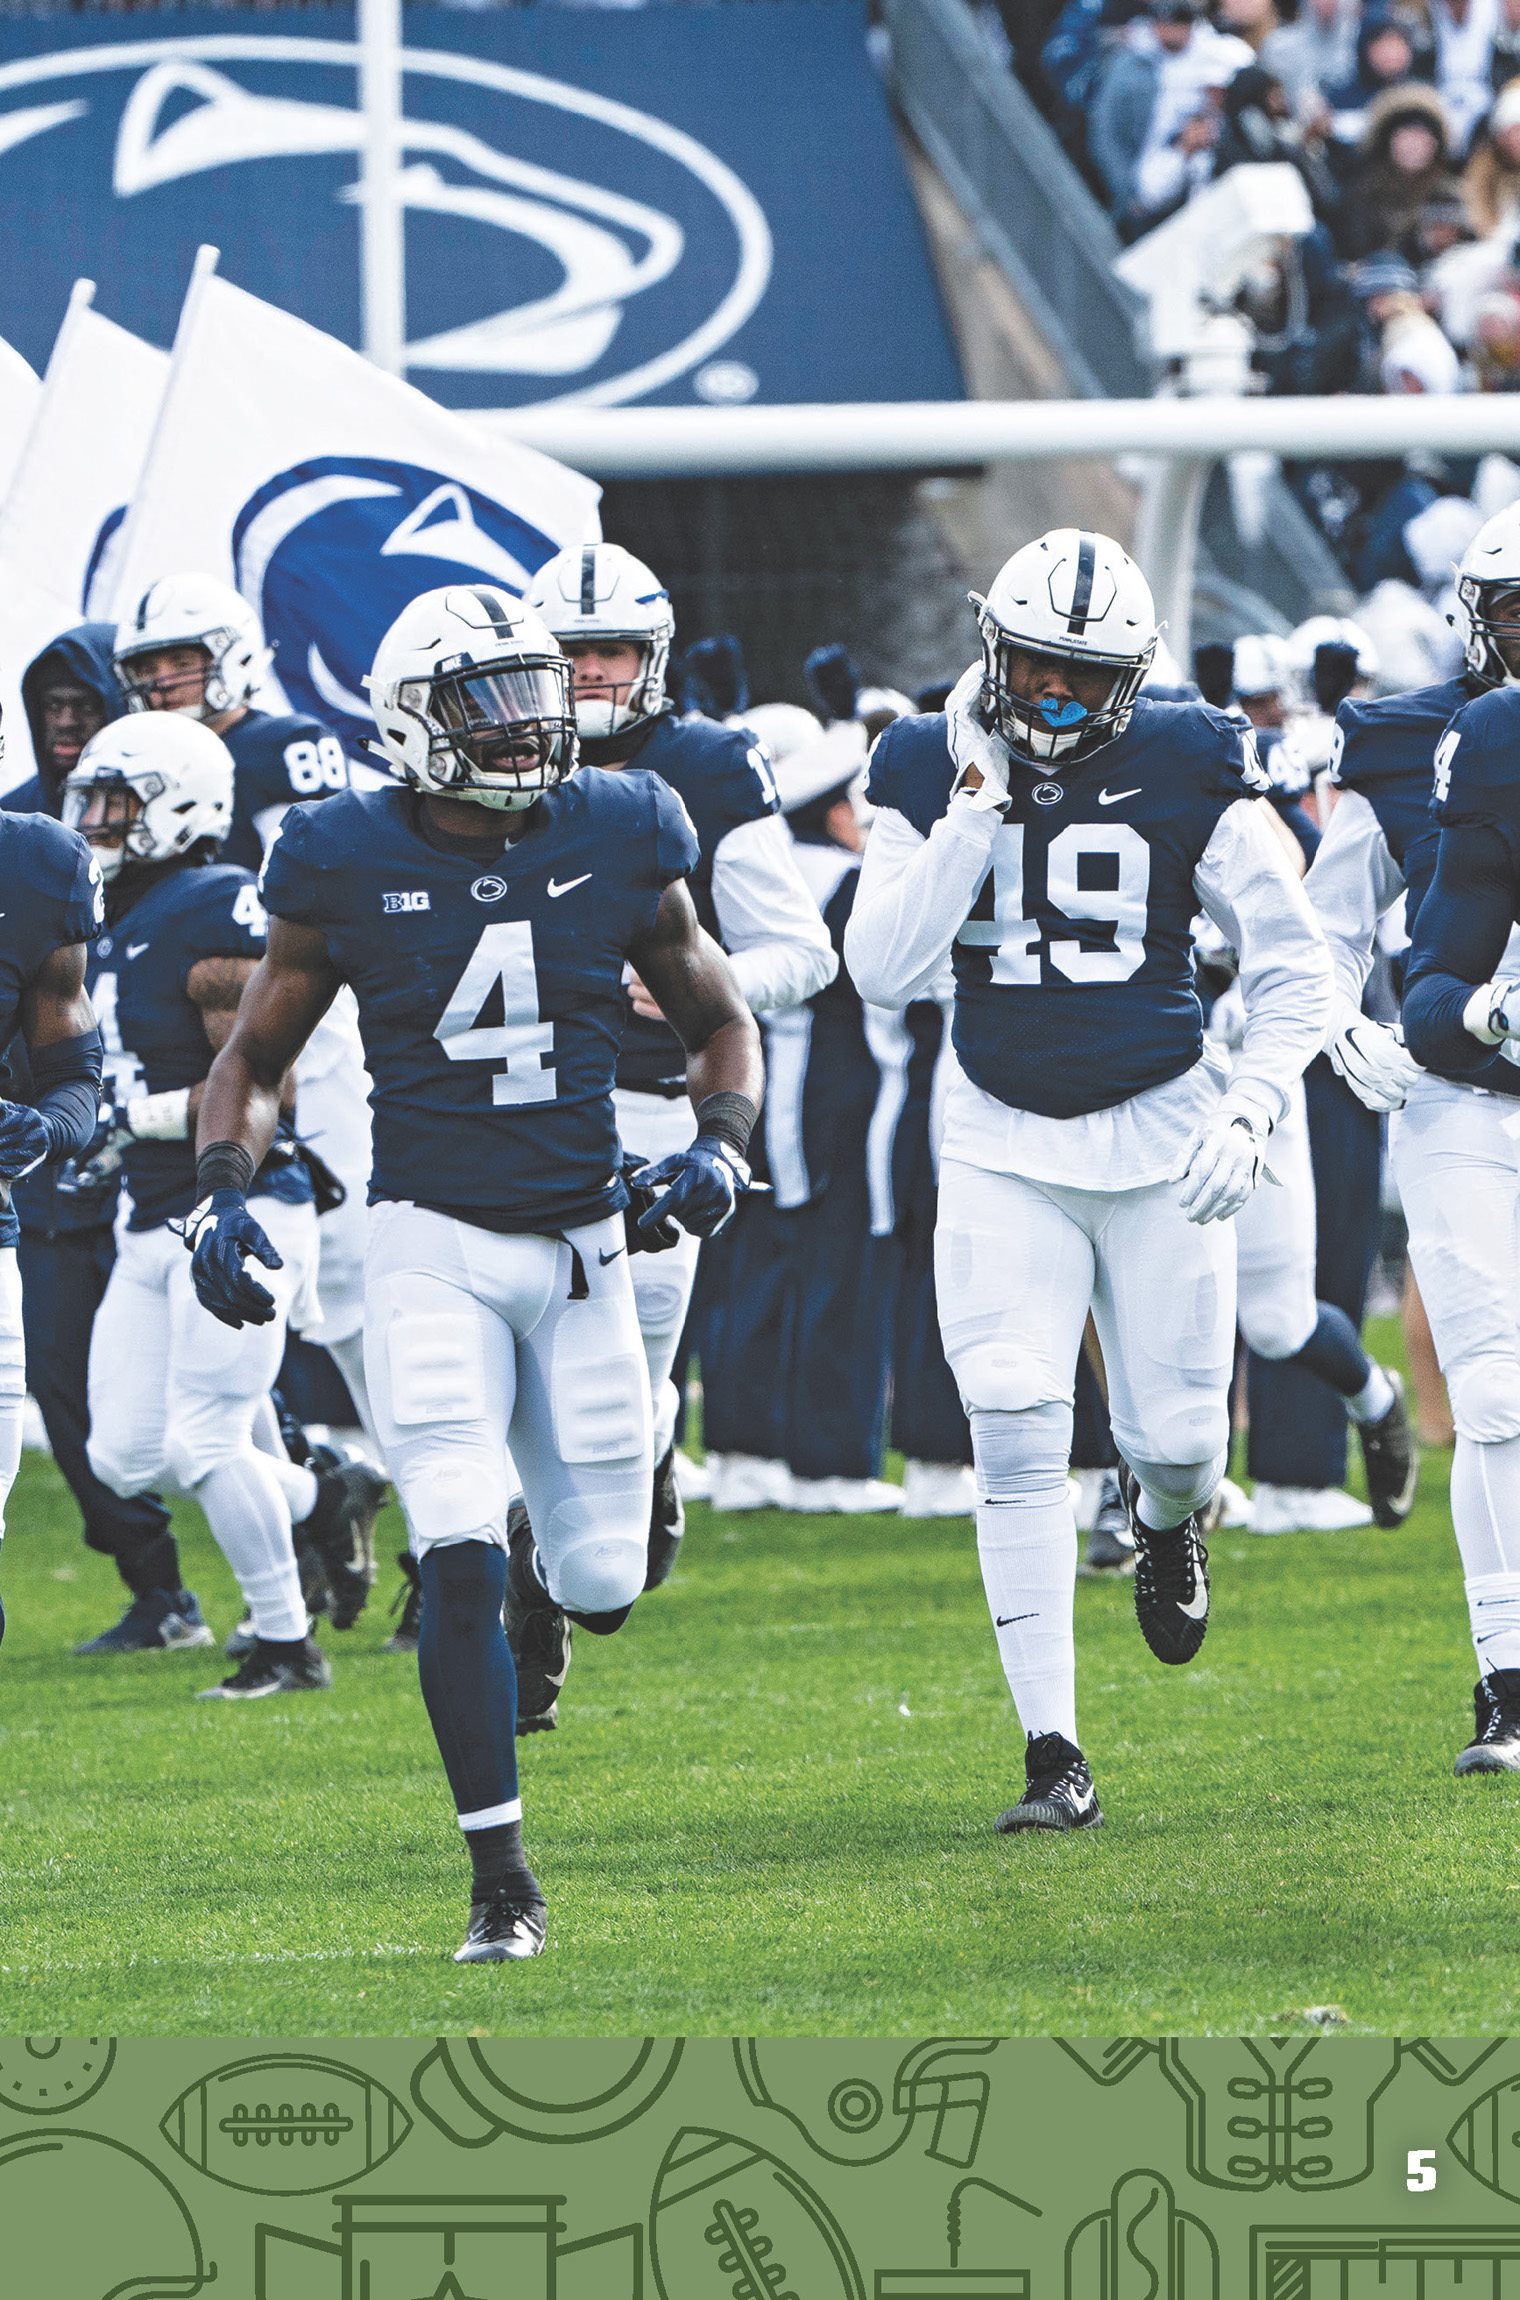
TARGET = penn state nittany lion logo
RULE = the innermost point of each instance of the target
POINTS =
(339, 545)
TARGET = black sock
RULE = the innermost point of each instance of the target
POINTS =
(601, 1624)
(286, 1648)
(496, 1858)
(464, 1665)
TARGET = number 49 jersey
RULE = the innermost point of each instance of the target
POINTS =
(490, 986)
(1074, 972)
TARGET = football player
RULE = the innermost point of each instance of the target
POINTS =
(172, 1395)
(1057, 833)
(1455, 1153)
(484, 915)
(612, 617)
(53, 904)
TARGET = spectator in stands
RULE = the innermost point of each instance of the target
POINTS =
(1253, 21)
(1464, 39)
(1392, 48)
(1496, 338)
(1416, 355)
(1155, 118)
(1491, 179)
(1314, 52)
(1257, 124)
(1403, 163)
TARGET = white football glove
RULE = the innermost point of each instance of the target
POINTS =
(1375, 1063)
(1222, 1167)
(1492, 1014)
(973, 743)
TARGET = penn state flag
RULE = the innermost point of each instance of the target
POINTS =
(19, 393)
(79, 463)
(330, 494)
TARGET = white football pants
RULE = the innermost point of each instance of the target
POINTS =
(1018, 1264)
(474, 1345)
(12, 1376)
(174, 1395)
(1276, 1240)
(1455, 1152)
(655, 1126)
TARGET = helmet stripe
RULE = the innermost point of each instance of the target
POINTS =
(499, 612)
(1081, 597)
(588, 580)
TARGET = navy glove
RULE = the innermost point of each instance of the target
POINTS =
(701, 1187)
(24, 1140)
(219, 1234)
(100, 1161)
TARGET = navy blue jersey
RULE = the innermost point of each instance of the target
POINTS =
(1458, 935)
(1090, 897)
(277, 761)
(490, 989)
(1386, 750)
(724, 779)
(155, 1039)
(50, 896)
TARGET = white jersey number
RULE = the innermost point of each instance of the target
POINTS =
(1446, 751)
(316, 766)
(123, 1072)
(1019, 944)
(503, 957)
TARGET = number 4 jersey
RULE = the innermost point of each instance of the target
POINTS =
(490, 985)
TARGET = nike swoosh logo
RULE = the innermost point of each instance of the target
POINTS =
(604, 1259)
(1197, 1605)
(1112, 798)
(134, 949)
(556, 887)
(1004, 1619)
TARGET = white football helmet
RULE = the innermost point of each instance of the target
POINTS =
(600, 591)
(194, 611)
(472, 698)
(1075, 595)
(1490, 567)
(167, 782)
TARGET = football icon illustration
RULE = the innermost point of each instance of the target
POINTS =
(729, 2221)
(1487, 2139)
(286, 2125)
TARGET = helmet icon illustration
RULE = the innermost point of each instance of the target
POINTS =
(89, 2219)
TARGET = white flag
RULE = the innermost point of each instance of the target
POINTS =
(61, 517)
(330, 493)
(19, 394)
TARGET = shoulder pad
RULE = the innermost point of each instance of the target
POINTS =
(911, 769)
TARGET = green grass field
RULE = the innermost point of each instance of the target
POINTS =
(769, 1808)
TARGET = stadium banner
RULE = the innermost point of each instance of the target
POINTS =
(1294, 2167)
(330, 494)
(661, 205)
(61, 515)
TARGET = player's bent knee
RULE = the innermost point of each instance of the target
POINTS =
(1277, 1331)
(1184, 1485)
(601, 1575)
(659, 1299)
(1022, 1454)
(1485, 1399)
(121, 1468)
(452, 1498)
(1002, 1377)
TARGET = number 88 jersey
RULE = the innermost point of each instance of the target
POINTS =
(1073, 973)
(489, 981)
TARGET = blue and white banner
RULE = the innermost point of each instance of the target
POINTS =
(666, 204)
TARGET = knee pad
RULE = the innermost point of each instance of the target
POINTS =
(997, 1374)
(595, 1550)
(1485, 1399)
(1184, 1486)
(1021, 1454)
(118, 1468)
(659, 1295)
(1190, 1427)
(1276, 1329)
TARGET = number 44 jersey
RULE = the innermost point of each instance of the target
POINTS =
(489, 984)
(1090, 894)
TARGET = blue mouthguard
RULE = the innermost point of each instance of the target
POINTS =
(1068, 714)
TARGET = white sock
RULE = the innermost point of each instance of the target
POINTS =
(1373, 1399)
(1026, 1540)
(246, 1511)
(1485, 1516)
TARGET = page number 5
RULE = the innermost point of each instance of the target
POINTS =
(1422, 2170)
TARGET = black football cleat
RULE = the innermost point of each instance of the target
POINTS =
(505, 1929)
(537, 1631)
(159, 1621)
(273, 1669)
(1171, 1582)
(341, 1531)
(1391, 1459)
(1110, 1544)
(240, 1641)
(1060, 1794)
(403, 1638)
(1495, 1745)
(667, 1523)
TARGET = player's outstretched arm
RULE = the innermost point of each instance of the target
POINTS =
(725, 1074)
(63, 1045)
(1455, 1011)
(285, 998)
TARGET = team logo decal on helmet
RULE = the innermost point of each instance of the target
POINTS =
(1075, 607)
(472, 699)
